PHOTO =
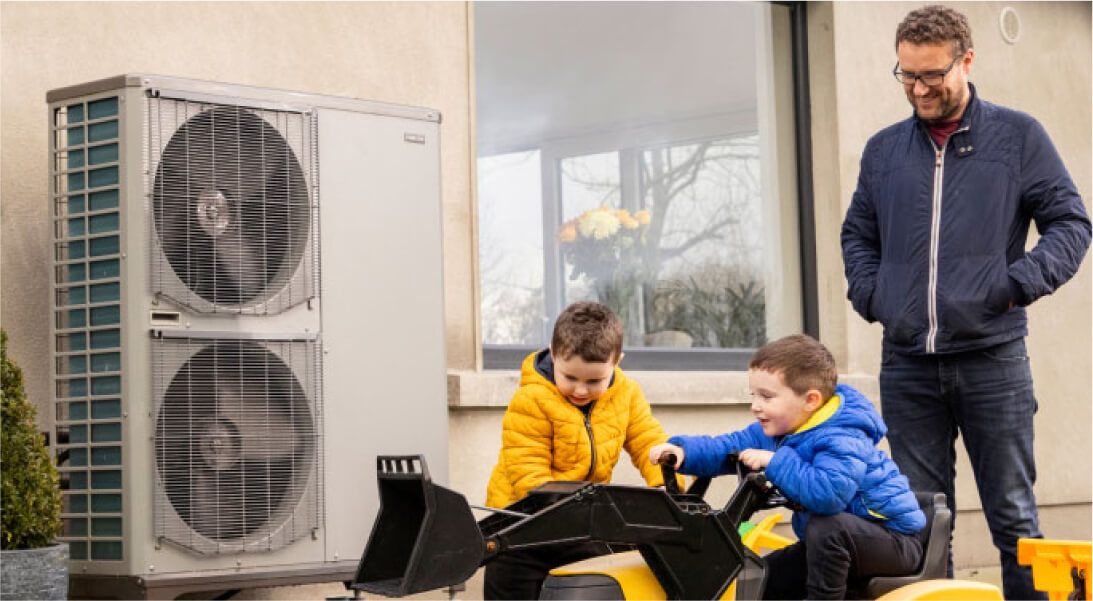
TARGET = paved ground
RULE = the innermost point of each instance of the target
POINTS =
(990, 575)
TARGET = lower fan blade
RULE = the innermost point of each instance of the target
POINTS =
(267, 430)
(206, 513)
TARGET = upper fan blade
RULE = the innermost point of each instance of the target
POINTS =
(239, 264)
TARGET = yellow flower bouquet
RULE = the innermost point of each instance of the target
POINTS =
(607, 246)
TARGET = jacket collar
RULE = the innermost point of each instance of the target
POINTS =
(963, 140)
(822, 414)
(971, 112)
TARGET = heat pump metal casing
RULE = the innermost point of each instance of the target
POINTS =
(340, 352)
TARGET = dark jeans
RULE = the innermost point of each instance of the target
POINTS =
(520, 574)
(987, 397)
(839, 549)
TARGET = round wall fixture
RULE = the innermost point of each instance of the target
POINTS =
(1010, 25)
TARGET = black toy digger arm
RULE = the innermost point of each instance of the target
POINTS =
(692, 550)
(595, 512)
(425, 536)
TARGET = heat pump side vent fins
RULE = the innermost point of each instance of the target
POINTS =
(85, 188)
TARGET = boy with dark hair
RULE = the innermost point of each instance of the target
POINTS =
(817, 440)
(574, 413)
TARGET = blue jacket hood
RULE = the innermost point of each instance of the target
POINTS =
(854, 412)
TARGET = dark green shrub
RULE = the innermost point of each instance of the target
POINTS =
(31, 497)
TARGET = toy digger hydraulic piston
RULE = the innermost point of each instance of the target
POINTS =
(425, 536)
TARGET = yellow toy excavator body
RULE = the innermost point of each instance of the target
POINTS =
(636, 580)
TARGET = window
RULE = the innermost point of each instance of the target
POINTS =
(640, 154)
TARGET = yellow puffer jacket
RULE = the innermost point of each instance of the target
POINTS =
(539, 419)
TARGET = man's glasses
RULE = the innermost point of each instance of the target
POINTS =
(930, 79)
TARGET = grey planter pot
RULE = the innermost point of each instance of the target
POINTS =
(34, 573)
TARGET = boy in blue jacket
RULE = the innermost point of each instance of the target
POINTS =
(817, 442)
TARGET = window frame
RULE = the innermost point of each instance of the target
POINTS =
(551, 153)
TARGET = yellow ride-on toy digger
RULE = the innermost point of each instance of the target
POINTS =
(425, 537)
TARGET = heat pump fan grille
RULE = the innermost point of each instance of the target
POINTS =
(233, 220)
(236, 443)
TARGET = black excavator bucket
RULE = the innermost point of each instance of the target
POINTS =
(425, 536)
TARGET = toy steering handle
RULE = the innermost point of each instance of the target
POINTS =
(668, 463)
(774, 496)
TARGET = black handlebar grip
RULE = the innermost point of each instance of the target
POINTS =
(668, 462)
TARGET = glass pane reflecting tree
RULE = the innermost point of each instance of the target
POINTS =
(706, 247)
(679, 259)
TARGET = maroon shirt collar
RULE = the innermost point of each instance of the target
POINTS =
(941, 131)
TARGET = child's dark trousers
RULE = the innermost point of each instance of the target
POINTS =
(520, 574)
(838, 549)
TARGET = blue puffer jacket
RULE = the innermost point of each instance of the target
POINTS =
(828, 466)
(934, 239)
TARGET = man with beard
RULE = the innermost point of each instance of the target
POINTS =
(934, 249)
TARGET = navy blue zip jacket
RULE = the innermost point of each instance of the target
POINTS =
(934, 239)
(829, 465)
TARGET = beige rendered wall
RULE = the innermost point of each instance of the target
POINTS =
(1046, 73)
(408, 53)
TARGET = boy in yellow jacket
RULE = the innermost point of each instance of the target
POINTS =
(574, 413)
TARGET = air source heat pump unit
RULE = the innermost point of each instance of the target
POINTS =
(247, 310)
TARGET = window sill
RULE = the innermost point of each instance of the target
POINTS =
(494, 388)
